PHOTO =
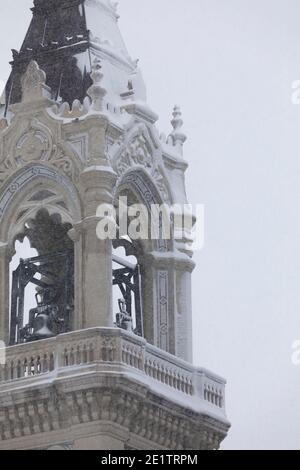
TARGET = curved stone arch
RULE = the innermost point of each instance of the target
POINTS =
(18, 188)
(22, 183)
(138, 181)
(157, 275)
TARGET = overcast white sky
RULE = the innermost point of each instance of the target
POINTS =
(230, 64)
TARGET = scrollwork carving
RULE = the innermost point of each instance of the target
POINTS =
(64, 163)
(139, 153)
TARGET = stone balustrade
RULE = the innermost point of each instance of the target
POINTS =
(111, 347)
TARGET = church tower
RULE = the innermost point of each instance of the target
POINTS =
(98, 328)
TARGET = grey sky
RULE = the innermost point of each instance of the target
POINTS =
(230, 64)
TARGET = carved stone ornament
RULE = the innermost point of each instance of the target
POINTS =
(64, 163)
(32, 146)
(35, 145)
(33, 83)
(58, 159)
(139, 154)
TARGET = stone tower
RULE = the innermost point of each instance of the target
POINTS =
(100, 355)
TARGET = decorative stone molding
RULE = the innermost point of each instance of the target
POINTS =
(79, 146)
(148, 195)
(33, 83)
(162, 304)
(152, 395)
(65, 163)
(96, 91)
(24, 177)
(32, 146)
(139, 153)
(76, 111)
(32, 143)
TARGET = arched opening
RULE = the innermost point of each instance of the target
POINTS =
(42, 280)
(34, 195)
(136, 189)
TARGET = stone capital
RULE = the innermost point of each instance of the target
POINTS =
(98, 176)
(87, 224)
(167, 260)
(97, 184)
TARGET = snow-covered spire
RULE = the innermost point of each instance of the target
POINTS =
(63, 38)
(177, 136)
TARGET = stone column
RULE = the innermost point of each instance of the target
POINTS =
(4, 292)
(183, 329)
(167, 301)
(158, 292)
(95, 274)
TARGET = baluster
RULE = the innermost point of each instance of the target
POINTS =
(91, 353)
(66, 358)
(31, 367)
(191, 388)
(221, 400)
(131, 357)
(85, 358)
(78, 356)
(72, 357)
(38, 365)
(45, 363)
(25, 368)
(52, 362)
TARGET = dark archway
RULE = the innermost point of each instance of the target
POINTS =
(52, 275)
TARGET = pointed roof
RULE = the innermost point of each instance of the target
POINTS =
(64, 36)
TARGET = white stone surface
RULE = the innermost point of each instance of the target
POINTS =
(99, 384)
(109, 362)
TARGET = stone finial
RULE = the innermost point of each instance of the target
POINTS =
(33, 83)
(177, 136)
(96, 92)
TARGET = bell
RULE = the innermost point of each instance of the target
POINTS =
(40, 328)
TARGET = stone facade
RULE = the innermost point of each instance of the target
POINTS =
(85, 388)
(98, 386)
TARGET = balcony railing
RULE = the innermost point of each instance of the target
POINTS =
(114, 348)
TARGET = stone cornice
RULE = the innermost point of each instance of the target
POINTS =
(64, 405)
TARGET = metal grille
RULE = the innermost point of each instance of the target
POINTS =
(53, 276)
(128, 279)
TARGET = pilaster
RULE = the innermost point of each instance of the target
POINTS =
(4, 292)
(97, 182)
